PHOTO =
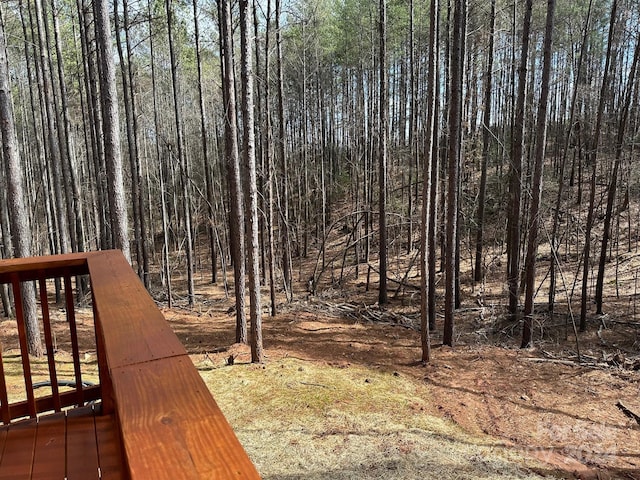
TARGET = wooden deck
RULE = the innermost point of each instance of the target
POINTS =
(82, 444)
(156, 417)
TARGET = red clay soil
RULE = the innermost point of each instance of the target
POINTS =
(561, 413)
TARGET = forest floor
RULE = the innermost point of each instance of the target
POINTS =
(343, 393)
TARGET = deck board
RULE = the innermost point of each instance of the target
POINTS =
(48, 461)
(82, 447)
(109, 451)
(17, 457)
(76, 445)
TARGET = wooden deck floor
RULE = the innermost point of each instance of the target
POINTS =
(82, 444)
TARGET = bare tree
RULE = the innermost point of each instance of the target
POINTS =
(427, 185)
(182, 155)
(250, 183)
(534, 214)
(205, 149)
(131, 116)
(567, 143)
(613, 182)
(594, 164)
(283, 201)
(269, 168)
(166, 267)
(53, 140)
(453, 168)
(111, 122)
(486, 143)
(18, 215)
(515, 181)
(236, 216)
(382, 160)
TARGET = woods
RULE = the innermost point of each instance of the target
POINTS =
(468, 150)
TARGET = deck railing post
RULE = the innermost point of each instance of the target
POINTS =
(48, 337)
(24, 349)
(71, 318)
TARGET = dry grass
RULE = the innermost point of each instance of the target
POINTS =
(14, 373)
(301, 419)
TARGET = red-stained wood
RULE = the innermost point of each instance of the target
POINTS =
(109, 451)
(50, 448)
(3, 438)
(158, 392)
(71, 320)
(17, 456)
(133, 328)
(53, 265)
(168, 399)
(103, 368)
(4, 401)
(45, 404)
(24, 349)
(48, 337)
(77, 446)
(167, 424)
(82, 452)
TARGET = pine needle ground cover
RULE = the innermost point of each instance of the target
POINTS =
(307, 420)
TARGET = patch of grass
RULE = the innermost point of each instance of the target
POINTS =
(303, 420)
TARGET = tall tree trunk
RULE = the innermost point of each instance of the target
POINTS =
(282, 153)
(268, 152)
(613, 182)
(94, 127)
(432, 232)
(18, 215)
(453, 169)
(131, 140)
(594, 165)
(136, 174)
(137, 194)
(383, 110)
(205, 150)
(565, 153)
(414, 157)
(72, 192)
(515, 182)
(427, 185)
(534, 219)
(182, 156)
(236, 220)
(110, 120)
(250, 183)
(166, 267)
(486, 144)
(5, 245)
(53, 140)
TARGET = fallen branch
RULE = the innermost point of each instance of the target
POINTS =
(628, 324)
(628, 412)
(550, 360)
(362, 312)
(313, 384)
(393, 280)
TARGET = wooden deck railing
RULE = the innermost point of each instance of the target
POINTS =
(167, 422)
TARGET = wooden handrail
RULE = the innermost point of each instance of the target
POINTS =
(169, 424)
(52, 266)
